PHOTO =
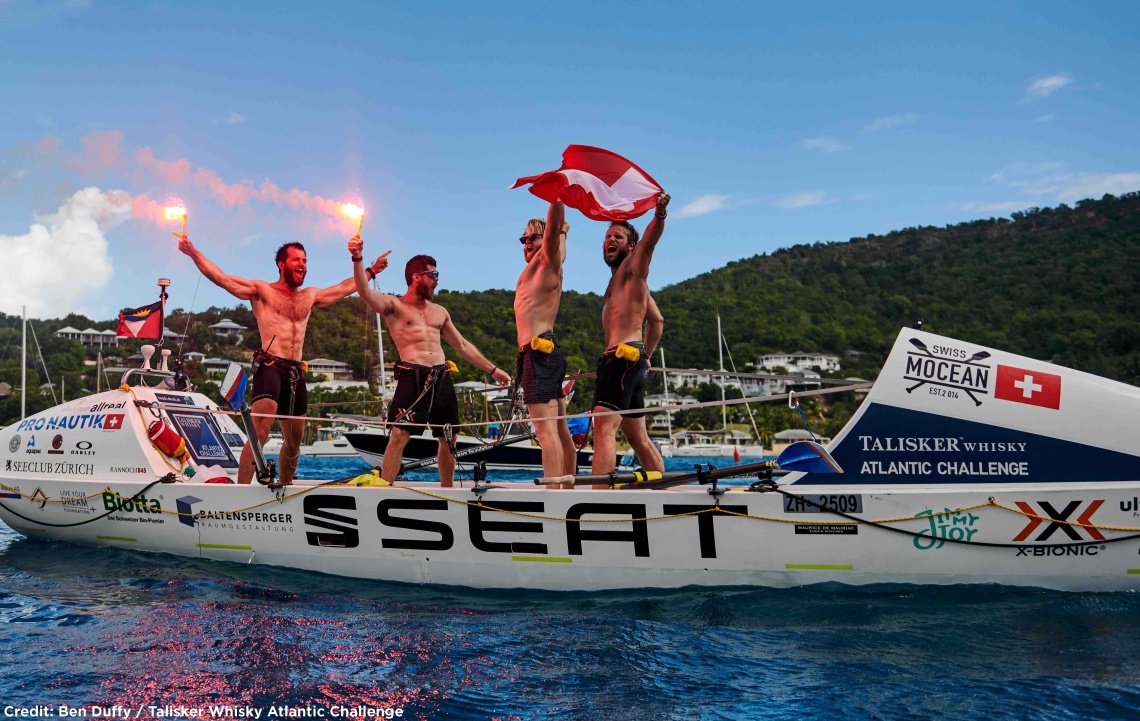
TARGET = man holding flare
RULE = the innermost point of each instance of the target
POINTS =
(425, 393)
(282, 310)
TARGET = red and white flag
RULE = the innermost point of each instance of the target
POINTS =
(601, 184)
(1026, 386)
(144, 322)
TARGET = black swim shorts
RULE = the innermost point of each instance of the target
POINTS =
(427, 394)
(539, 374)
(281, 380)
(620, 383)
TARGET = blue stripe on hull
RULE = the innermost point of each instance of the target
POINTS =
(891, 445)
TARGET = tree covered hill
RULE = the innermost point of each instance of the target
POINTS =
(1059, 284)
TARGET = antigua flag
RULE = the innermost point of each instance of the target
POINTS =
(144, 322)
(601, 184)
(1025, 386)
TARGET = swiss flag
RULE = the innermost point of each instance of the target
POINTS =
(113, 422)
(601, 184)
(1026, 386)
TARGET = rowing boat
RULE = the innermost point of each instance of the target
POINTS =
(964, 464)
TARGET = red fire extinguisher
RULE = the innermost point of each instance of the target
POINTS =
(167, 440)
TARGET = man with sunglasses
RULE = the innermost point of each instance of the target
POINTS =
(623, 368)
(424, 393)
(541, 365)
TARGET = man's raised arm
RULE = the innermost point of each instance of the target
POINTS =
(470, 353)
(236, 286)
(379, 302)
(643, 252)
(553, 243)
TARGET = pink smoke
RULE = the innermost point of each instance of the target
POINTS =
(172, 172)
(102, 150)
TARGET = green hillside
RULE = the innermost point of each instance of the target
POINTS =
(1059, 284)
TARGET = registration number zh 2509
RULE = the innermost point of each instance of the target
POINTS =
(844, 502)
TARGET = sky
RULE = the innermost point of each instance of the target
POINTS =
(770, 125)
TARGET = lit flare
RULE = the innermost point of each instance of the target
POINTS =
(174, 212)
(354, 211)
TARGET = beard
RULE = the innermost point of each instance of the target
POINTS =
(295, 279)
(615, 260)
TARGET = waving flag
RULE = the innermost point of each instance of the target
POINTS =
(601, 184)
(144, 322)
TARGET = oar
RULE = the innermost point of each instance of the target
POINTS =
(805, 456)
(466, 452)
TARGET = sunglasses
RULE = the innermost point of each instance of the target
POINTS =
(530, 238)
(433, 274)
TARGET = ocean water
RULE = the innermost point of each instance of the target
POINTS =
(142, 632)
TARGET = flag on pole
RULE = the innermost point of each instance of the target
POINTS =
(233, 386)
(144, 322)
(601, 184)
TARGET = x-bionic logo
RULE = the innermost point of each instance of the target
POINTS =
(1060, 520)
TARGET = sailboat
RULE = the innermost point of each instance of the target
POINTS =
(723, 443)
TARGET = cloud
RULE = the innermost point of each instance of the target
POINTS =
(8, 178)
(1042, 119)
(64, 256)
(1045, 86)
(702, 206)
(891, 122)
(1078, 186)
(803, 200)
(235, 118)
(102, 150)
(825, 144)
(1055, 183)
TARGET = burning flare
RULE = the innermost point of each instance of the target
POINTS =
(354, 211)
(174, 212)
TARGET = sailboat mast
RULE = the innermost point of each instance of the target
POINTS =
(380, 343)
(24, 365)
(720, 355)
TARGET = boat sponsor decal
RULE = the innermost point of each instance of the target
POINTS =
(73, 421)
(827, 529)
(129, 469)
(83, 448)
(1060, 520)
(31, 447)
(949, 372)
(1054, 551)
(939, 449)
(14, 444)
(129, 509)
(231, 520)
(328, 512)
(12, 492)
(953, 524)
(38, 496)
(76, 502)
(1132, 507)
(171, 399)
(62, 468)
(107, 406)
(820, 503)
(203, 439)
(331, 522)
(56, 445)
(1035, 388)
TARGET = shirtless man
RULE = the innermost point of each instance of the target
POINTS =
(282, 310)
(424, 390)
(540, 367)
(621, 378)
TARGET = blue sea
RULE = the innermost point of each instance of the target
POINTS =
(156, 636)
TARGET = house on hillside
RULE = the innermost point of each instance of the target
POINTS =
(331, 370)
(89, 337)
(228, 329)
(798, 361)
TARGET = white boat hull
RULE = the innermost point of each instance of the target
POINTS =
(424, 534)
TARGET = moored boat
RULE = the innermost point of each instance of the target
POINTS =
(964, 464)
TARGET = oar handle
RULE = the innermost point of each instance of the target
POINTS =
(473, 451)
(607, 478)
